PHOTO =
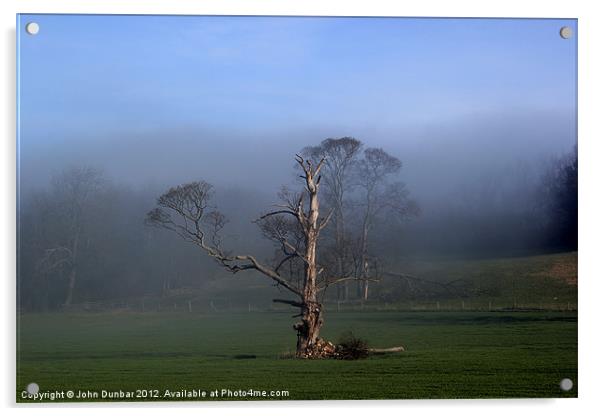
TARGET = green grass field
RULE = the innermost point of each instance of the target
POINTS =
(449, 354)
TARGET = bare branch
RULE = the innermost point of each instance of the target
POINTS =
(270, 273)
(326, 220)
(190, 202)
(284, 211)
(328, 283)
(319, 167)
(284, 260)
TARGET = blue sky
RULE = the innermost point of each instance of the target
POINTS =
(98, 78)
(219, 71)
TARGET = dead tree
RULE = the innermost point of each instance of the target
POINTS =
(185, 211)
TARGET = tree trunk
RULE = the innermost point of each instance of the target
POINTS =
(342, 292)
(71, 286)
(308, 330)
(73, 272)
(364, 257)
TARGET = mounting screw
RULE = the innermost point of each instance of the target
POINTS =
(32, 28)
(566, 32)
(566, 384)
(33, 388)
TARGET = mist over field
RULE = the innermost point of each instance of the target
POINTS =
(482, 130)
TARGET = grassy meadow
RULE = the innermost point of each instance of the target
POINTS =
(448, 354)
(522, 347)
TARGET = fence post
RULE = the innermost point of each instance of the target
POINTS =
(189, 306)
(462, 305)
(438, 306)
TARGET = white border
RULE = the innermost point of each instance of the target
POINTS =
(590, 183)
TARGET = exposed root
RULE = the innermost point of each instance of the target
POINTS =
(321, 349)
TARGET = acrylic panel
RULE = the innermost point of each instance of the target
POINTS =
(295, 208)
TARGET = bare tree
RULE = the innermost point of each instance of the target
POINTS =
(341, 156)
(37, 232)
(295, 226)
(379, 194)
(71, 194)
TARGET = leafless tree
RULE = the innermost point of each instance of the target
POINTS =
(374, 174)
(72, 191)
(294, 225)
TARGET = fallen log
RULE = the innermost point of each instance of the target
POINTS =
(386, 350)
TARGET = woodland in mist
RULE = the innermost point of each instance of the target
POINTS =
(87, 235)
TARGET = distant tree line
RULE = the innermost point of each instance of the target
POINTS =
(83, 237)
